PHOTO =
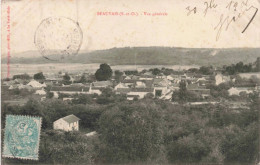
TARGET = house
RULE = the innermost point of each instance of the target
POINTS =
(219, 78)
(138, 92)
(102, 84)
(68, 123)
(146, 77)
(70, 90)
(36, 84)
(20, 86)
(40, 92)
(202, 81)
(122, 90)
(140, 84)
(201, 90)
(160, 87)
(121, 85)
(250, 75)
(238, 90)
(95, 90)
(129, 82)
(167, 96)
(169, 77)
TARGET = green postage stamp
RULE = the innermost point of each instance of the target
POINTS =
(22, 135)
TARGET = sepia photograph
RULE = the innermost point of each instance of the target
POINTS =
(130, 82)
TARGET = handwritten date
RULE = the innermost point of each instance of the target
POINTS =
(234, 10)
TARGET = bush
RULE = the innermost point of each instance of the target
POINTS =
(65, 148)
(129, 135)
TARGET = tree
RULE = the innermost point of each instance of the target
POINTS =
(257, 64)
(49, 95)
(156, 71)
(108, 96)
(83, 79)
(103, 73)
(39, 76)
(82, 99)
(22, 76)
(182, 91)
(206, 70)
(66, 79)
(59, 147)
(130, 135)
(118, 76)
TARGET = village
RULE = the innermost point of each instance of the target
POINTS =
(162, 84)
(112, 111)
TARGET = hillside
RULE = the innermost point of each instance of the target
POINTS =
(155, 56)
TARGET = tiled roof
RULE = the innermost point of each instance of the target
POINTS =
(141, 89)
(129, 81)
(70, 88)
(71, 118)
(102, 83)
(123, 90)
(192, 86)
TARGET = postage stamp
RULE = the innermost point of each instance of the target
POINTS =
(22, 135)
(58, 37)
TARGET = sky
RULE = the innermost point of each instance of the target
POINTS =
(179, 28)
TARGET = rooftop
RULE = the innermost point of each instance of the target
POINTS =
(70, 88)
(71, 118)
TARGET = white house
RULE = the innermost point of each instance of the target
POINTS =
(36, 84)
(169, 77)
(138, 92)
(161, 87)
(68, 123)
(121, 85)
(237, 90)
(140, 84)
(219, 78)
(40, 92)
(70, 90)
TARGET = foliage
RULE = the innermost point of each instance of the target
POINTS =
(130, 135)
(22, 76)
(66, 79)
(155, 71)
(83, 79)
(131, 72)
(257, 68)
(219, 91)
(82, 99)
(65, 148)
(104, 72)
(21, 92)
(206, 70)
(109, 96)
(183, 95)
(39, 76)
(240, 67)
(118, 76)
(49, 95)
(145, 131)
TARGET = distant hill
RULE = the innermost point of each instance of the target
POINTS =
(154, 56)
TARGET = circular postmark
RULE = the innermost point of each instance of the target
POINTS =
(58, 37)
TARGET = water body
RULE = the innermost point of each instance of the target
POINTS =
(78, 68)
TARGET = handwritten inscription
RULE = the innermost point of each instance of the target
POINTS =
(233, 11)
